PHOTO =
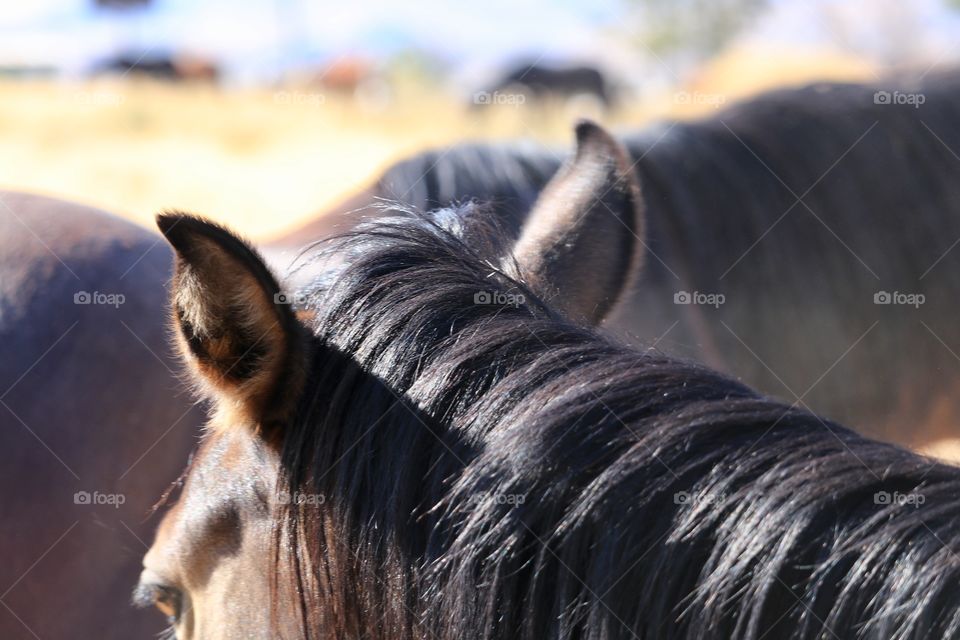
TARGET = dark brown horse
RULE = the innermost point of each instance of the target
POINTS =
(804, 241)
(94, 420)
(541, 82)
(424, 459)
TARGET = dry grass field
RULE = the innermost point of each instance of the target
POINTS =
(264, 160)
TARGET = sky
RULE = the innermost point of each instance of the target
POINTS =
(258, 37)
(69, 33)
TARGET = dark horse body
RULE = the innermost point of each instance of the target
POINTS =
(170, 68)
(543, 82)
(798, 207)
(414, 464)
(81, 412)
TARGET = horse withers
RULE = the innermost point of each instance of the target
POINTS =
(431, 451)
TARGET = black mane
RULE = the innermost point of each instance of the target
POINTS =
(493, 471)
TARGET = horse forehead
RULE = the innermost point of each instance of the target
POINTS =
(228, 487)
(228, 481)
(232, 469)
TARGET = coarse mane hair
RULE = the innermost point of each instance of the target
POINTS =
(483, 468)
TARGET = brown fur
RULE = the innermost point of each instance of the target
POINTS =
(236, 336)
(215, 543)
(219, 529)
(100, 397)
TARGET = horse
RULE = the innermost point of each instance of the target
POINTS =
(405, 458)
(92, 431)
(177, 68)
(803, 240)
(542, 82)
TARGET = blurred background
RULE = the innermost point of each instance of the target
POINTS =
(262, 113)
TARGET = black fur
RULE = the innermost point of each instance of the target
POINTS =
(494, 472)
(542, 82)
(722, 217)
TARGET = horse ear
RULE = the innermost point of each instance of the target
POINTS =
(581, 242)
(234, 330)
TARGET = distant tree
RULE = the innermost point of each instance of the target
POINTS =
(891, 32)
(694, 29)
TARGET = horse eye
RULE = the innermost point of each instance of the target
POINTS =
(165, 598)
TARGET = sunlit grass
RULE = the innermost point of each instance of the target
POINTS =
(265, 160)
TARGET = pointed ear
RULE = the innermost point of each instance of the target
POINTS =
(580, 245)
(234, 329)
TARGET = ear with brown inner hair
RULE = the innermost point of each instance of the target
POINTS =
(580, 246)
(243, 344)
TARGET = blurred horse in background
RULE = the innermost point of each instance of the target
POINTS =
(804, 211)
(92, 431)
(540, 83)
(178, 68)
